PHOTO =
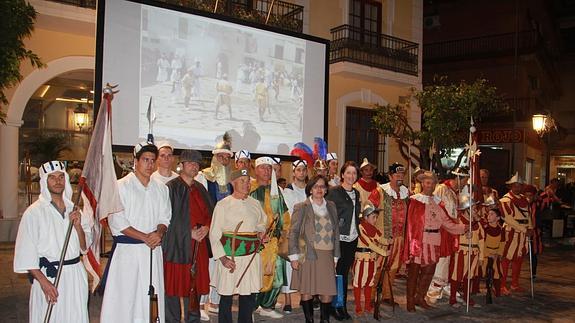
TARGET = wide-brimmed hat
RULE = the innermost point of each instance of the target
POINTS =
(190, 155)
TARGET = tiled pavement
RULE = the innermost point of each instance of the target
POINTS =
(554, 299)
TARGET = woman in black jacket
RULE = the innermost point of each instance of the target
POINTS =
(346, 199)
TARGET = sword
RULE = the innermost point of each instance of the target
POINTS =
(151, 116)
(234, 242)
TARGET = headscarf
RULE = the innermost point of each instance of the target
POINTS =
(47, 169)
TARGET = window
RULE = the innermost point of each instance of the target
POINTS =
(361, 138)
(365, 18)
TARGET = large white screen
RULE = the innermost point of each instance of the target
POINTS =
(272, 84)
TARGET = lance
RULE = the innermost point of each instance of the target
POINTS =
(108, 92)
(471, 154)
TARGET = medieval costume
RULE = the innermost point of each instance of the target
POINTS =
(449, 196)
(363, 186)
(223, 96)
(460, 265)
(191, 207)
(39, 244)
(126, 294)
(494, 246)
(517, 217)
(391, 223)
(163, 179)
(368, 248)
(333, 177)
(274, 273)
(224, 238)
(428, 224)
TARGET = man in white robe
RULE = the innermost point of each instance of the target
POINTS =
(233, 209)
(164, 173)
(294, 193)
(138, 232)
(39, 244)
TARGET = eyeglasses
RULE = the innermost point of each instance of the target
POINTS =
(319, 187)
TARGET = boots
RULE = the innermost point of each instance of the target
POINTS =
(337, 313)
(426, 276)
(367, 294)
(357, 296)
(324, 309)
(307, 307)
(412, 274)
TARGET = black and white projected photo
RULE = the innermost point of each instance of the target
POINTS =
(207, 76)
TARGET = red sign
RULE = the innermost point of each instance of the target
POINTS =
(501, 136)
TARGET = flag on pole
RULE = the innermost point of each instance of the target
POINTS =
(473, 154)
(99, 185)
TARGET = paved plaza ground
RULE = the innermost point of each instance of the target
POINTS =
(554, 298)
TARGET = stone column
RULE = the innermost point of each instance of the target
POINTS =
(9, 169)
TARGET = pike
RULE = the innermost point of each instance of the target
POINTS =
(531, 267)
(194, 303)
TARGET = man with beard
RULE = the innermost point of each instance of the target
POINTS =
(216, 180)
(191, 217)
(391, 198)
(273, 266)
(164, 172)
(39, 244)
(366, 184)
(448, 192)
(427, 223)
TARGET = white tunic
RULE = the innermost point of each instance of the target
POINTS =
(292, 196)
(126, 297)
(227, 214)
(163, 179)
(41, 234)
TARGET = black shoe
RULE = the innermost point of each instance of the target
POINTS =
(287, 309)
(324, 312)
(307, 307)
(336, 313)
(316, 303)
(346, 315)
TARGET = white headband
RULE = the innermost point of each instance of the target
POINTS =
(265, 160)
(331, 156)
(51, 167)
(242, 154)
(299, 162)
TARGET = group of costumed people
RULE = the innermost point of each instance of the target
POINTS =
(202, 236)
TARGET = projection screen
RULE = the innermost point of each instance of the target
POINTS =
(209, 76)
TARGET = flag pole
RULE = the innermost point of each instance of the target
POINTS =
(471, 158)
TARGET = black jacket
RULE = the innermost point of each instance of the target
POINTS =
(345, 207)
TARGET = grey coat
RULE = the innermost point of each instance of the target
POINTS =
(305, 210)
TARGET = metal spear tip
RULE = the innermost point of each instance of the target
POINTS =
(110, 89)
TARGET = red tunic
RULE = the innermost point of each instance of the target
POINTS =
(177, 276)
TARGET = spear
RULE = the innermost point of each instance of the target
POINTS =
(471, 153)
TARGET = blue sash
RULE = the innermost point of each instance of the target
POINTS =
(51, 266)
(117, 239)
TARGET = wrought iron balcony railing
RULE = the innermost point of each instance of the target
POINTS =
(355, 45)
(484, 46)
(283, 15)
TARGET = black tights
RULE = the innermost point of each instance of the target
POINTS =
(344, 264)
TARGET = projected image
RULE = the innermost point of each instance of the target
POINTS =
(206, 76)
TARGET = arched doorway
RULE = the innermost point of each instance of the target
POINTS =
(9, 134)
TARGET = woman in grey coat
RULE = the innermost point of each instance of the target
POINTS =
(314, 248)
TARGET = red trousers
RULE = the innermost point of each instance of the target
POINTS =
(515, 271)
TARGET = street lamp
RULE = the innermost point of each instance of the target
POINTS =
(543, 124)
(80, 116)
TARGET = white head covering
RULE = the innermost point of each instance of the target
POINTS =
(515, 179)
(242, 154)
(162, 144)
(47, 169)
(330, 156)
(298, 163)
(266, 160)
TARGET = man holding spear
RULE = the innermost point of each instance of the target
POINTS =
(39, 243)
(136, 261)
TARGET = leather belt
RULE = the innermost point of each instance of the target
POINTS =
(524, 221)
(363, 250)
(431, 230)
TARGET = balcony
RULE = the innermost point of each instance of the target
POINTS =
(355, 45)
(482, 47)
(283, 15)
